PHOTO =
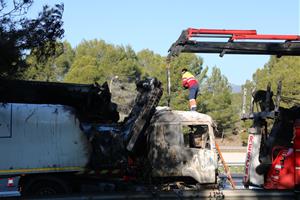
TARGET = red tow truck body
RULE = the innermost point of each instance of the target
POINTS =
(285, 170)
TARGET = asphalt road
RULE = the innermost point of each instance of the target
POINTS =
(201, 194)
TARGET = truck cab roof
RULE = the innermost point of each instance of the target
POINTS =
(167, 115)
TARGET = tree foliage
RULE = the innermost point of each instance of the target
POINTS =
(97, 61)
(285, 69)
(216, 99)
(20, 36)
(52, 69)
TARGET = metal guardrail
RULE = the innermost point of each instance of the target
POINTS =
(233, 149)
(235, 164)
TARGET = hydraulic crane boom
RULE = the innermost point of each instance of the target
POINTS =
(284, 45)
(280, 45)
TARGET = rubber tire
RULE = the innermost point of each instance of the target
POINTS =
(44, 186)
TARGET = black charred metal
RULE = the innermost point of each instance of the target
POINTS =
(261, 97)
(91, 101)
(108, 150)
(113, 143)
(150, 92)
(178, 46)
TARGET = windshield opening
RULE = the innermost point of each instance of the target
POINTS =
(196, 136)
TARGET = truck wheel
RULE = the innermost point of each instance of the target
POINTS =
(45, 185)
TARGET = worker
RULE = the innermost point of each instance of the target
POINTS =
(191, 83)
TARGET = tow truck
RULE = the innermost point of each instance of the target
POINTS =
(266, 165)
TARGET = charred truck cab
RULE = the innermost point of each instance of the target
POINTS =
(182, 145)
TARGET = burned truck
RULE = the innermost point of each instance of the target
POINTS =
(60, 138)
(182, 145)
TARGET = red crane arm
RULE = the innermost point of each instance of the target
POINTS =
(282, 44)
(237, 34)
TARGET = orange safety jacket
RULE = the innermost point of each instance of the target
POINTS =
(188, 80)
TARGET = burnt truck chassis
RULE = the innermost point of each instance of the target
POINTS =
(119, 153)
(137, 151)
(112, 148)
(126, 156)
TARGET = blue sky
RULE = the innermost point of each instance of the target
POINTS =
(156, 24)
